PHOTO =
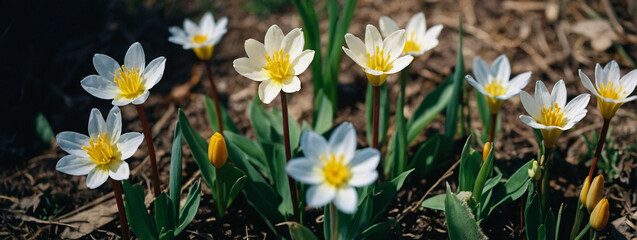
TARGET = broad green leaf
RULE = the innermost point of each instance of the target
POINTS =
(378, 230)
(140, 222)
(228, 124)
(455, 103)
(470, 161)
(175, 169)
(277, 161)
(541, 232)
(396, 159)
(254, 151)
(164, 214)
(383, 113)
(549, 225)
(429, 108)
(43, 129)
(295, 130)
(461, 224)
(167, 234)
(259, 121)
(322, 114)
(532, 213)
(199, 148)
(483, 175)
(189, 210)
(424, 161)
(436, 202)
(483, 111)
(491, 182)
(232, 180)
(385, 192)
(300, 232)
(511, 190)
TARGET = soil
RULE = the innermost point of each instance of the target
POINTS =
(48, 45)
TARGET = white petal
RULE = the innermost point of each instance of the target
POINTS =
(501, 68)
(96, 124)
(363, 179)
(121, 102)
(105, 66)
(394, 44)
(293, 43)
(417, 24)
(511, 92)
(268, 90)
(542, 96)
(72, 143)
(256, 52)
(135, 57)
(319, 195)
(190, 27)
(600, 75)
(291, 85)
(313, 145)
(612, 71)
(476, 85)
(629, 81)
(357, 47)
(302, 61)
(206, 24)
(531, 122)
(141, 99)
(114, 124)
(520, 81)
(273, 39)
(99, 87)
(387, 26)
(343, 141)
(75, 165)
(587, 83)
(576, 106)
(365, 160)
(481, 71)
(430, 40)
(558, 95)
(530, 105)
(119, 170)
(305, 171)
(128, 144)
(220, 30)
(246, 68)
(373, 39)
(400, 64)
(358, 59)
(96, 177)
(154, 72)
(574, 120)
(373, 72)
(346, 200)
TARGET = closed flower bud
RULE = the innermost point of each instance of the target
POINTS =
(595, 192)
(584, 192)
(217, 151)
(535, 172)
(599, 216)
(486, 150)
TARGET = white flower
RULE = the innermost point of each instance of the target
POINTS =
(550, 113)
(100, 154)
(201, 38)
(611, 91)
(376, 56)
(334, 168)
(128, 83)
(494, 83)
(276, 63)
(419, 39)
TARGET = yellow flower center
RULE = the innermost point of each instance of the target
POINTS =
(610, 91)
(101, 151)
(130, 82)
(278, 65)
(336, 173)
(379, 61)
(199, 39)
(552, 116)
(495, 88)
(411, 45)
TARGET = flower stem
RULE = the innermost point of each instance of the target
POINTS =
(579, 216)
(219, 202)
(117, 190)
(288, 155)
(492, 127)
(583, 232)
(151, 149)
(215, 98)
(375, 111)
(333, 222)
(600, 145)
(545, 181)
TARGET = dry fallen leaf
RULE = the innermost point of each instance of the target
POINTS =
(599, 32)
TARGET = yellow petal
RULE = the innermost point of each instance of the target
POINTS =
(599, 216)
(595, 192)
(584, 192)
(217, 151)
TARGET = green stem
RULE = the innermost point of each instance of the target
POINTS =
(545, 181)
(583, 232)
(220, 208)
(288, 155)
(594, 236)
(333, 222)
(400, 123)
(579, 216)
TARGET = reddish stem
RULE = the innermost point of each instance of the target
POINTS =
(492, 127)
(215, 98)
(375, 110)
(600, 145)
(288, 154)
(151, 149)
(117, 190)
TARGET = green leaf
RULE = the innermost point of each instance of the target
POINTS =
(483, 175)
(532, 213)
(254, 152)
(378, 230)
(300, 232)
(483, 110)
(232, 181)
(228, 124)
(164, 213)
(559, 220)
(43, 129)
(424, 161)
(396, 159)
(383, 113)
(277, 161)
(461, 224)
(541, 232)
(189, 210)
(322, 114)
(140, 222)
(429, 108)
(175, 169)
(259, 121)
(385, 192)
(511, 190)
(455, 103)
(436, 202)
(167, 234)
(470, 161)
(199, 148)
(549, 225)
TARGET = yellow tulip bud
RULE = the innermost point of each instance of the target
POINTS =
(535, 171)
(584, 192)
(217, 151)
(485, 151)
(204, 53)
(599, 216)
(595, 192)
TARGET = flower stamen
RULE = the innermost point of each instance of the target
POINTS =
(130, 82)
(101, 151)
(278, 66)
(411, 45)
(610, 91)
(552, 116)
(379, 61)
(495, 87)
(336, 173)
(199, 39)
